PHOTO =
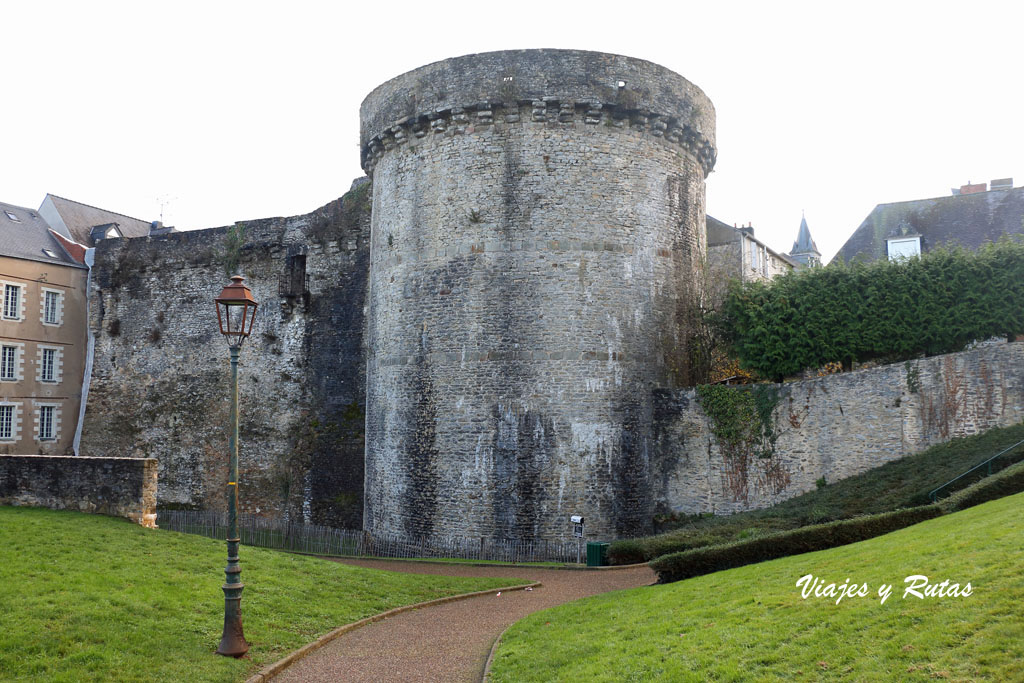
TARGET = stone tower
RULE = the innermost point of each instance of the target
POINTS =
(538, 224)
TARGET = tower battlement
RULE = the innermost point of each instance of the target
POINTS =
(475, 92)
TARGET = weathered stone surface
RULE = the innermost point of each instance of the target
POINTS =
(122, 487)
(161, 371)
(524, 287)
(834, 427)
(537, 236)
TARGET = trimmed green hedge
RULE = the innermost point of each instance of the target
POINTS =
(889, 310)
(1004, 483)
(699, 561)
(633, 550)
(627, 551)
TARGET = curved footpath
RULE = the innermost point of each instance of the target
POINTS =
(450, 642)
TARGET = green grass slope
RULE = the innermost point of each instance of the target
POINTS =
(751, 623)
(902, 483)
(91, 598)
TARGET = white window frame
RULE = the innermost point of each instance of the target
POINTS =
(57, 308)
(44, 408)
(15, 362)
(19, 307)
(57, 368)
(47, 372)
(894, 248)
(8, 424)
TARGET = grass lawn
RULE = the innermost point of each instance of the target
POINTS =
(898, 484)
(751, 623)
(91, 598)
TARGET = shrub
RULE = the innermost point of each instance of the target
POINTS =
(629, 551)
(1005, 483)
(886, 310)
(698, 561)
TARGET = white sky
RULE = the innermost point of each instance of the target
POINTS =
(248, 110)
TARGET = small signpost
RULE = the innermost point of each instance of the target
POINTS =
(577, 531)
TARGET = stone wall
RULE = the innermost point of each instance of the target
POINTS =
(834, 427)
(122, 487)
(160, 376)
(538, 223)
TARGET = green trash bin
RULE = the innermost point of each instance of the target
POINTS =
(597, 554)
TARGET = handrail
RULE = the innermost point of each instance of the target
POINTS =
(934, 495)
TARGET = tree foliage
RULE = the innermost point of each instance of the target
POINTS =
(887, 310)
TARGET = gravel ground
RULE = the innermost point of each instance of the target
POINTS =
(450, 642)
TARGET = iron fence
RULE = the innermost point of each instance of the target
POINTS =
(322, 540)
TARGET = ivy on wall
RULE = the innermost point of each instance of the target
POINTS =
(742, 417)
(887, 310)
(231, 256)
(743, 423)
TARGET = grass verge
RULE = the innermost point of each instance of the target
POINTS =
(751, 623)
(91, 598)
(903, 483)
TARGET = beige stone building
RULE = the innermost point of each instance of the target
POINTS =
(735, 254)
(42, 334)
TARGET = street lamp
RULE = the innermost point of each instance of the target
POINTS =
(236, 310)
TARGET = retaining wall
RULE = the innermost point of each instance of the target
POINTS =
(834, 427)
(122, 487)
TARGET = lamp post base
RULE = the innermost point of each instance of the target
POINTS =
(232, 641)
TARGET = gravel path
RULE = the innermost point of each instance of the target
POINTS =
(449, 642)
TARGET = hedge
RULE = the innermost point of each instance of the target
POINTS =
(699, 561)
(1004, 483)
(886, 310)
(627, 551)
(633, 550)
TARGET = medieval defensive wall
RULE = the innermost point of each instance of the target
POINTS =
(492, 351)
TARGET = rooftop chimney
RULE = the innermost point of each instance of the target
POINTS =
(1001, 184)
(973, 189)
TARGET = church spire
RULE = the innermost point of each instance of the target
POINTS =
(804, 250)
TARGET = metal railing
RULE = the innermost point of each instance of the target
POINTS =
(987, 464)
(321, 540)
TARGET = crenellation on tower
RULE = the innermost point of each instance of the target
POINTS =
(553, 86)
(472, 119)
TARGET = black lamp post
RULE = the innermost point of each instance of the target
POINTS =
(236, 310)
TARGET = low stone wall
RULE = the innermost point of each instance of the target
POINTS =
(122, 487)
(834, 427)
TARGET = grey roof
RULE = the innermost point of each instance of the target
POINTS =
(969, 220)
(80, 219)
(804, 244)
(27, 235)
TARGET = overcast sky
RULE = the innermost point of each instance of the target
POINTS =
(235, 111)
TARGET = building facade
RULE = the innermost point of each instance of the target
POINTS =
(736, 254)
(42, 336)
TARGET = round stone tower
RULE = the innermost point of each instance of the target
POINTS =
(538, 225)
